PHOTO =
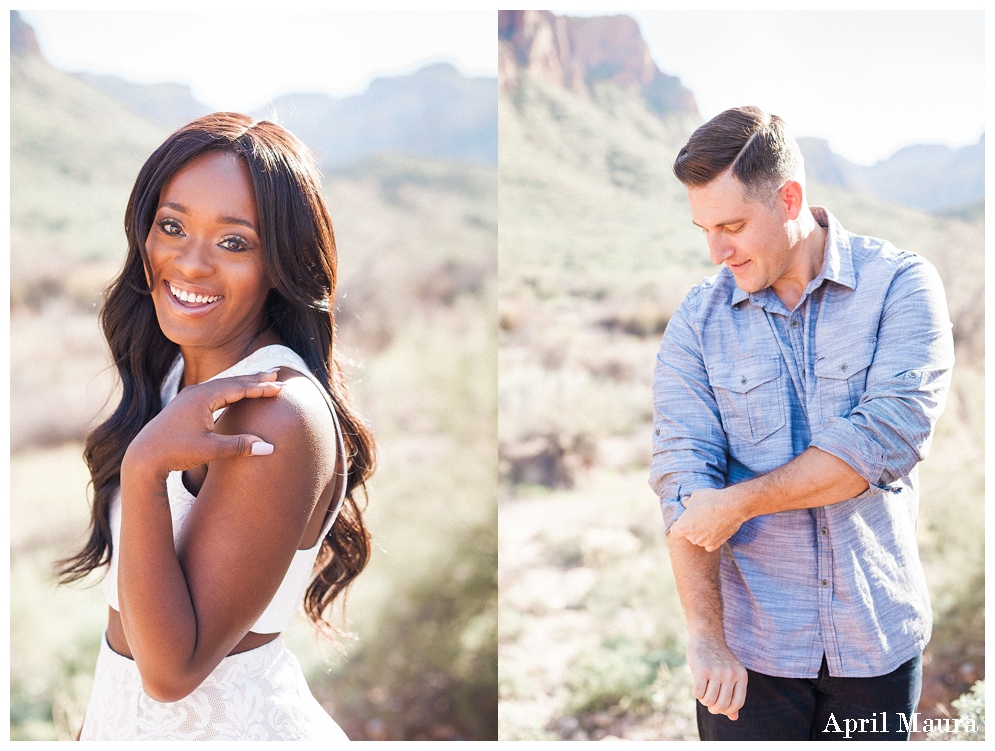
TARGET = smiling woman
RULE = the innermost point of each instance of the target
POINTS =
(227, 473)
(206, 257)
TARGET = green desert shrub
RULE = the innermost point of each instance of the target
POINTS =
(616, 676)
(971, 710)
(431, 667)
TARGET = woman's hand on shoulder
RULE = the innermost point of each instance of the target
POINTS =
(238, 539)
(251, 513)
(182, 436)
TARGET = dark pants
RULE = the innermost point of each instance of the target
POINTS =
(799, 709)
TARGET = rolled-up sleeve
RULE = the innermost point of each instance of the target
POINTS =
(889, 430)
(689, 445)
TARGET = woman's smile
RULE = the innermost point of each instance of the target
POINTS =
(189, 300)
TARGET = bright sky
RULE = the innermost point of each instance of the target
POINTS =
(239, 60)
(870, 82)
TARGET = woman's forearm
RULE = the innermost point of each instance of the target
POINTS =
(157, 611)
(183, 613)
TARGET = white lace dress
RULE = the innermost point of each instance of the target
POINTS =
(257, 695)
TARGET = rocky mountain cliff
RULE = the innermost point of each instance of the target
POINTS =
(589, 127)
(22, 37)
(579, 53)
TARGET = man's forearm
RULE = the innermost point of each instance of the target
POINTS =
(719, 678)
(696, 573)
(813, 478)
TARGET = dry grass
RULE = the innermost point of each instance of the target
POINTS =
(54, 631)
(590, 640)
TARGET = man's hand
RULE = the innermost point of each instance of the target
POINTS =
(710, 518)
(719, 678)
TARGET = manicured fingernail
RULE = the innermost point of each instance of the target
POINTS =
(261, 448)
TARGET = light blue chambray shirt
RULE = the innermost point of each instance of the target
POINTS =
(860, 369)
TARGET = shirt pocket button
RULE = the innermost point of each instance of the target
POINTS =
(841, 377)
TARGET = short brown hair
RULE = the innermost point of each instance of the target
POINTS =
(753, 144)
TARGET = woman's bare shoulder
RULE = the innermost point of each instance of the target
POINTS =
(298, 420)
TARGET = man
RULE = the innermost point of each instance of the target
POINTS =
(795, 392)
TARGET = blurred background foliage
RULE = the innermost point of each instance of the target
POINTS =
(416, 226)
(596, 250)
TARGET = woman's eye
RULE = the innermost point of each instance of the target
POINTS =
(170, 227)
(234, 243)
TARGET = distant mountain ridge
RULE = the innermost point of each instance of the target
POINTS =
(170, 105)
(435, 112)
(584, 177)
(925, 176)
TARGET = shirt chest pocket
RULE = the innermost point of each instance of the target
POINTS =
(842, 378)
(749, 396)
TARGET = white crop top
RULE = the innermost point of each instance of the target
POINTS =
(280, 612)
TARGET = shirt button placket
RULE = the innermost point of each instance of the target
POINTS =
(825, 583)
(797, 339)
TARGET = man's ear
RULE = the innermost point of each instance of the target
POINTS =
(792, 198)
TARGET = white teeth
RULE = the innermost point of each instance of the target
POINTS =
(185, 296)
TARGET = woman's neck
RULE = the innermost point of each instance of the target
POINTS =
(203, 363)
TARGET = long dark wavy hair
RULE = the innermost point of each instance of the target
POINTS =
(299, 252)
